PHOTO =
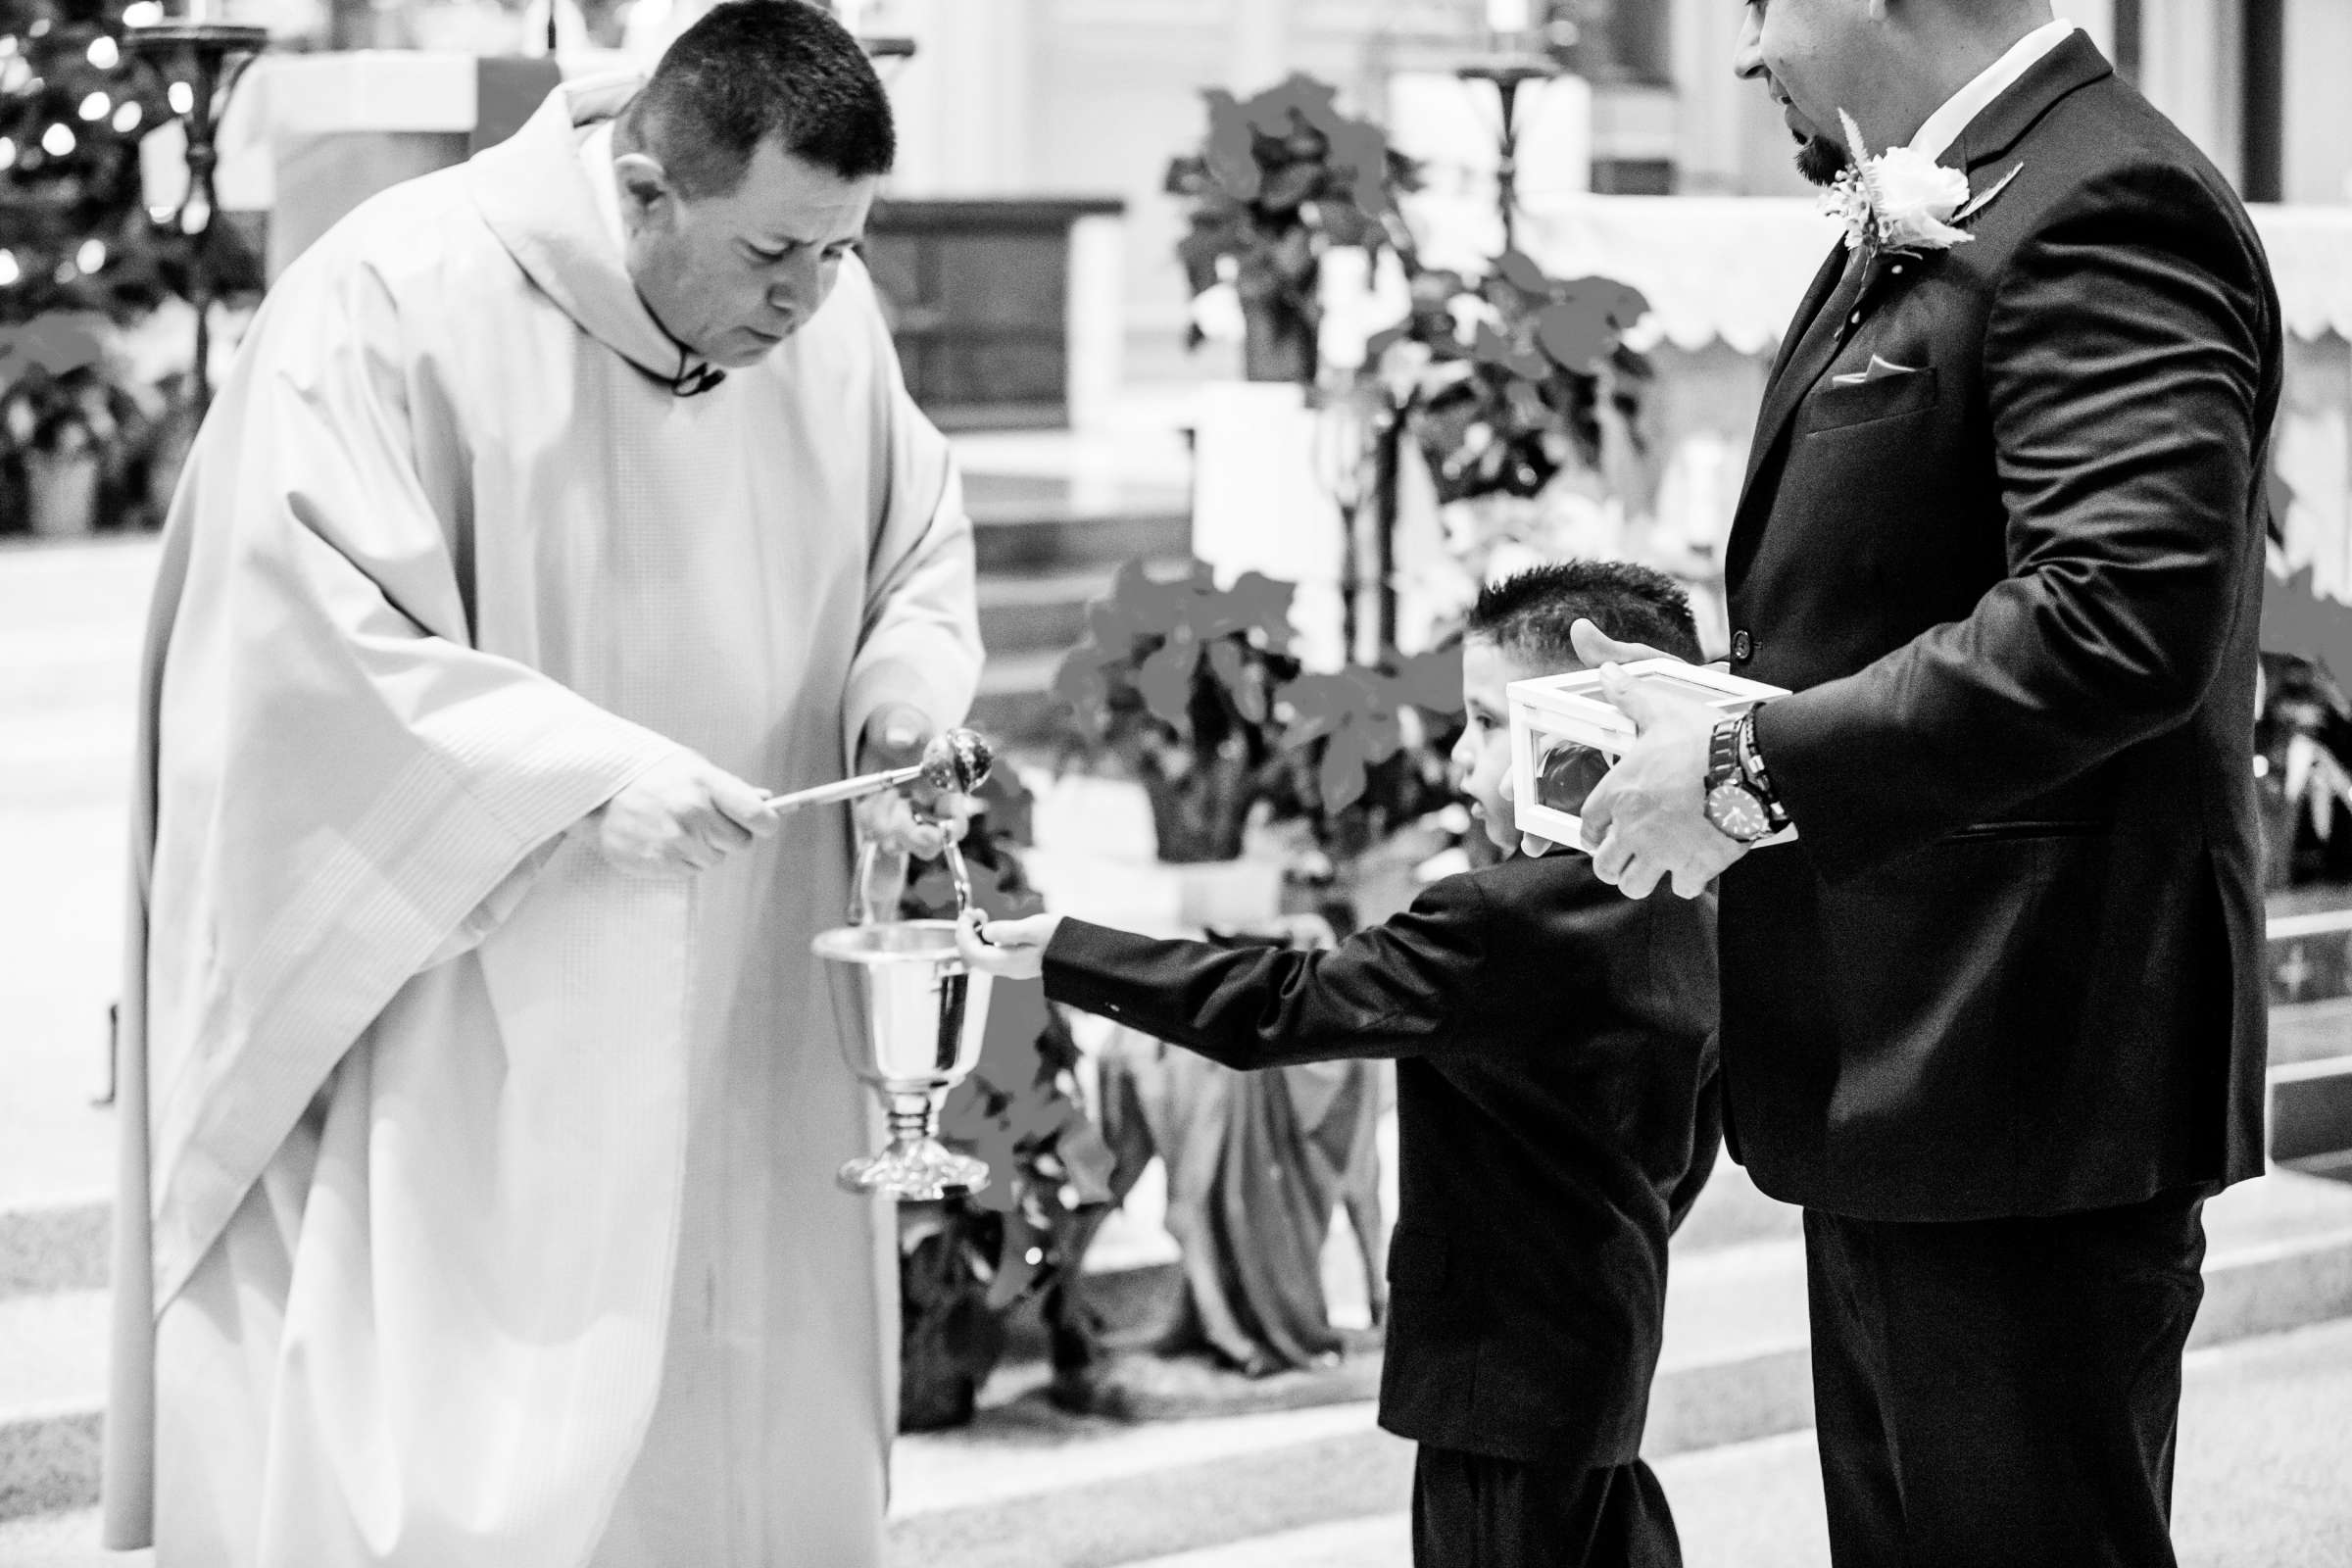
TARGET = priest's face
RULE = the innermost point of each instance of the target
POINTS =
(1812, 56)
(731, 274)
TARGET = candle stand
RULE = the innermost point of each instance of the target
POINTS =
(1508, 72)
(207, 58)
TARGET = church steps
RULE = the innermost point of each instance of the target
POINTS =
(1733, 1370)
(1052, 539)
(2254, 1490)
(1045, 611)
(1049, 530)
(54, 1247)
(53, 1350)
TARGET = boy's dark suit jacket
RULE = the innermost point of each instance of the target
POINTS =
(1555, 1112)
(2012, 966)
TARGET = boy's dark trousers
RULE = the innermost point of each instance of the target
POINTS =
(1474, 1511)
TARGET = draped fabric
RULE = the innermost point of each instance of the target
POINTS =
(477, 1203)
(1257, 1164)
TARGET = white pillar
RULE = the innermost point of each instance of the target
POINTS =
(2319, 109)
(2192, 67)
(1097, 319)
(963, 102)
(1730, 138)
(1259, 48)
(2094, 17)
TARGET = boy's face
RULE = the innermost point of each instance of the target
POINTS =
(1482, 757)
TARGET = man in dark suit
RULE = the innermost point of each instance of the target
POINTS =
(1556, 1114)
(1995, 1017)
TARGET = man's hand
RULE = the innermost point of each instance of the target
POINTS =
(1013, 949)
(921, 825)
(1647, 819)
(1594, 649)
(678, 818)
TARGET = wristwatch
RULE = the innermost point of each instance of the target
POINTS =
(1736, 808)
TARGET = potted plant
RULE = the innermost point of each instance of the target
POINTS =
(1281, 178)
(1368, 752)
(1504, 380)
(1367, 748)
(1177, 680)
(64, 417)
(968, 1265)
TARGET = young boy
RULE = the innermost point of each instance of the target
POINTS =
(1556, 1113)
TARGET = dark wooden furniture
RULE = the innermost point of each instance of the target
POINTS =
(978, 295)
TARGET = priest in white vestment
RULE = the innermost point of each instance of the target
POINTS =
(483, 1096)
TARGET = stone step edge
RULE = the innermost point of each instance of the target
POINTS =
(1327, 1480)
(48, 1460)
(1332, 1479)
(61, 1243)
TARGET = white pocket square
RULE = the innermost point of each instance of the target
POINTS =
(1880, 369)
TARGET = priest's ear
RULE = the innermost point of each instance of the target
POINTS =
(646, 187)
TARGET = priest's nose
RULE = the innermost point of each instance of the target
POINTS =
(799, 286)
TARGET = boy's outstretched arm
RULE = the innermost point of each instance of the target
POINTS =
(1396, 990)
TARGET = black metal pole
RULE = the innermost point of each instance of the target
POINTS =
(214, 55)
(1387, 470)
(1507, 162)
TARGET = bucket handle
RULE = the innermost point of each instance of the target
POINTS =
(862, 908)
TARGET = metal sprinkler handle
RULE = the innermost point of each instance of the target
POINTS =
(955, 760)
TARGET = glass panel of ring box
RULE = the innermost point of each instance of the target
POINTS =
(1565, 735)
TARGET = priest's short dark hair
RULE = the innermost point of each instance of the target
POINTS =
(1531, 612)
(752, 71)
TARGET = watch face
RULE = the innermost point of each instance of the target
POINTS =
(1736, 812)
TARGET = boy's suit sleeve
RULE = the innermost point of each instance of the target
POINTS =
(1396, 990)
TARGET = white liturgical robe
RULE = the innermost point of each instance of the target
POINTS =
(484, 1214)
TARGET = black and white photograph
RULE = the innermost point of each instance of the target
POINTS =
(1175, 783)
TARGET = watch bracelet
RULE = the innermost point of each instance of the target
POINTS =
(1752, 766)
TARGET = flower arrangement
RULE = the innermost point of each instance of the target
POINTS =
(58, 395)
(1901, 202)
(1283, 177)
(76, 431)
(1368, 747)
(1194, 690)
(1506, 378)
(1178, 681)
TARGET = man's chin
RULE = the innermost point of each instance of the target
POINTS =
(1821, 160)
(746, 347)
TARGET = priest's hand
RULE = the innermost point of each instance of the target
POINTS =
(921, 822)
(679, 816)
(1011, 950)
(1647, 819)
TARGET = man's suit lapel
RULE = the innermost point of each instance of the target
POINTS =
(1813, 341)
(1834, 302)
(1824, 282)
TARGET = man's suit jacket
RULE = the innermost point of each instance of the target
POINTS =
(1555, 1115)
(2011, 965)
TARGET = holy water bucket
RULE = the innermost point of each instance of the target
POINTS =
(924, 1015)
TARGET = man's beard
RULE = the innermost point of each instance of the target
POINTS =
(1821, 160)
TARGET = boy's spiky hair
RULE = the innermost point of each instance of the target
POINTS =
(1531, 612)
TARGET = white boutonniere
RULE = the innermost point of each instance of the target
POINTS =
(1901, 201)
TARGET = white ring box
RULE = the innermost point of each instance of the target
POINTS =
(1559, 721)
